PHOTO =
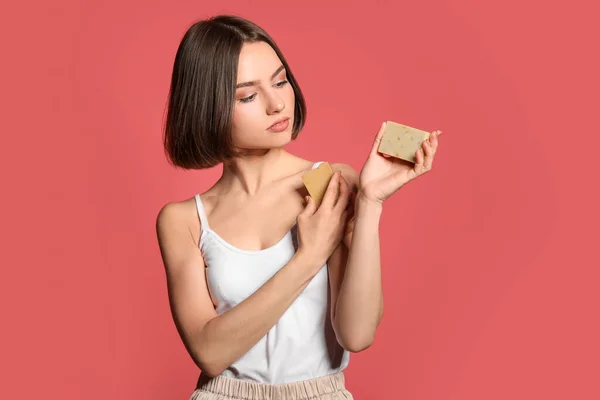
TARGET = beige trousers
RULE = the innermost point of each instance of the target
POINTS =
(330, 387)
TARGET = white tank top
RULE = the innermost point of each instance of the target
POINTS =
(302, 344)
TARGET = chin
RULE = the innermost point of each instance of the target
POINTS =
(267, 145)
(285, 138)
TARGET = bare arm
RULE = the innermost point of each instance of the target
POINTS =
(355, 275)
(216, 341)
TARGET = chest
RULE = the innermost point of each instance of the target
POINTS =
(234, 274)
(257, 224)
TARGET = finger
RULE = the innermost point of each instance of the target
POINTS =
(349, 228)
(341, 226)
(343, 218)
(331, 193)
(429, 153)
(434, 140)
(378, 138)
(344, 196)
(310, 208)
(419, 162)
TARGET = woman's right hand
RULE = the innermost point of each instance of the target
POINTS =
(320, 230)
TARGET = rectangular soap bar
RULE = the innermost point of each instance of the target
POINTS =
(317, 180)
(402, 141)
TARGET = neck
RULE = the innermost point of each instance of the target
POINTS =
(251, 172)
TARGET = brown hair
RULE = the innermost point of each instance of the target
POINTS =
(201, 100)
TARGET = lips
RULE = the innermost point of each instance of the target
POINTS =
(278, 122)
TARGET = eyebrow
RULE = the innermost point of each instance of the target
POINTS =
(253, 83)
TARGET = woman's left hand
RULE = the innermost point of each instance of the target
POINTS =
(382, 175)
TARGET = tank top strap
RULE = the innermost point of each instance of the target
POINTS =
(201, 212)
(315, 165)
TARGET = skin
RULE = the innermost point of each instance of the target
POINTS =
(266, 180)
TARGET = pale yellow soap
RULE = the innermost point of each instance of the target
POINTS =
(317, 180)
(402, 141)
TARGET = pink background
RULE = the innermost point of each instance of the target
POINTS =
(490, 262)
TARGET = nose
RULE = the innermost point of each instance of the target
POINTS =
(276, 104)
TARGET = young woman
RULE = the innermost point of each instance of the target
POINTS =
(268, 292)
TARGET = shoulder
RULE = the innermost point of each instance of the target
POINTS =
(348, 172)
(170, 212)
(177, 216)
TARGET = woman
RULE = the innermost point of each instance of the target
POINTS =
(269, 292)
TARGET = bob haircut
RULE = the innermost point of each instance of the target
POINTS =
(197, 132)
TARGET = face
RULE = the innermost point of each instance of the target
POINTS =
(263, 97)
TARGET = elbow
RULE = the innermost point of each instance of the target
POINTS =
(210, 367)
(357, 346)
(354, 338)
(212, 370)
(209, 362)
(355, 343)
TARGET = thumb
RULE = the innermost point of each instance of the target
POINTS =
(378, 138)
(310, 208)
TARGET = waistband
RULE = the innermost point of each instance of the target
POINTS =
(249, 390)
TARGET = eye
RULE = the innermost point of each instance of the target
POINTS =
(248, 99)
